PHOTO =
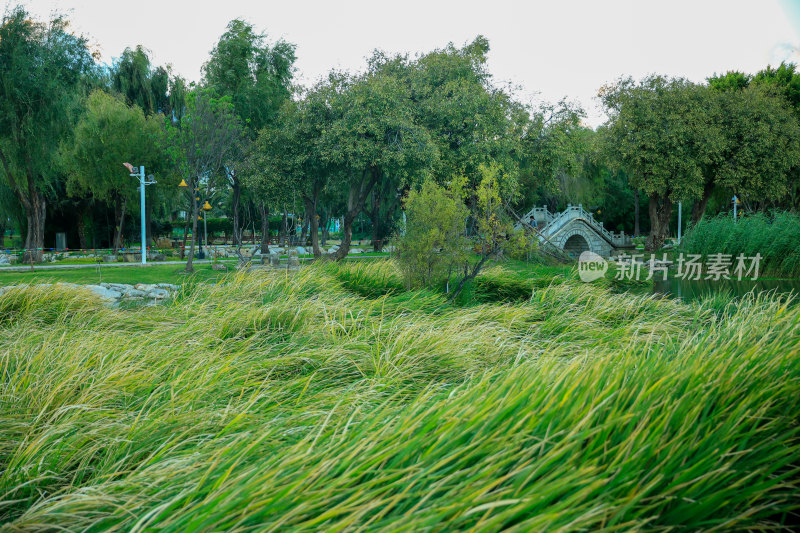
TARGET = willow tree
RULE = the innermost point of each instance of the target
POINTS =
(44, 68)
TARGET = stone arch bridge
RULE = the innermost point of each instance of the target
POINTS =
(574, 230)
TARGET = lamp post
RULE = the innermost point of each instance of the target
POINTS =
(735, 201)
(142, 182)
(206, 208)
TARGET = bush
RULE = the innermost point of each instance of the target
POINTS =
(433, 241)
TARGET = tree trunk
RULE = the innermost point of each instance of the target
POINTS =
(355, 203)
(237, 195)
(660, 215)
(636, 227)
(284, 232)
(382, 225)
(313, 221)
(699, 207)
(325, 222)
(264, 228)
(35, 207)
(468, 276)
(304, 229)
(192, 214)
(34, 240)
(375, 217)
(81, 223)
(120, 225)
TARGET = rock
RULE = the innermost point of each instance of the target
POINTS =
(356, 251)
(301, 250)
(275, 260)
(218, 266)
(156, 257)
(146, 287)
(109, 258)
(104, 293)
(168, 286)
(158, 294)
(134, 294)
(4, 260)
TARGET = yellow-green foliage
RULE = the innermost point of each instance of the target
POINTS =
(290, 401)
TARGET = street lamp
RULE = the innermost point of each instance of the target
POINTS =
(148, 180)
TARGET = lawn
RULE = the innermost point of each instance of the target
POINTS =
(155, 273)
(332, 398)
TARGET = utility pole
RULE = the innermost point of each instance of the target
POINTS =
(680, 212)
(735, 203)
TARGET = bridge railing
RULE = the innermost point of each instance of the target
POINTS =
(577, 211)
(550, 223)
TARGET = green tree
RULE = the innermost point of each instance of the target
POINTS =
(108, 134)
(373, 135)
(256, 76)
(471, 120)
(555, 148)
(201, 143)
(44, 68)
(286, 159)
(759, 151)
(665, 136)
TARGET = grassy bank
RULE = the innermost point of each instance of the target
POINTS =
(776, 238)
(332, 399)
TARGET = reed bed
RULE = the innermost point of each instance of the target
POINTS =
(331, 399)
(775, 237)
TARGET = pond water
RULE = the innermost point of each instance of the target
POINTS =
(689, 290)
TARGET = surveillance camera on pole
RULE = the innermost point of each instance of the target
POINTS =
(143, 180)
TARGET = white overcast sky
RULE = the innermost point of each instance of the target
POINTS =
(550, 50)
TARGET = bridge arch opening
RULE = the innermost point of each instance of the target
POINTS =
(576, 245)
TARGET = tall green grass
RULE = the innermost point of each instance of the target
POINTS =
(307, 401)
(776, 237)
